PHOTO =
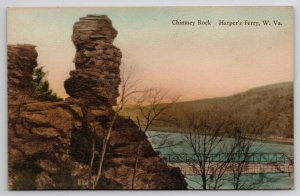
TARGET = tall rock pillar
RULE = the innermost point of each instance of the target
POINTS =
(96, 78)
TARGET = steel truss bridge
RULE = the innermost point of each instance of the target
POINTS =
(256, 162)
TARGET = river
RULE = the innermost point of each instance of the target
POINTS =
(176, 144)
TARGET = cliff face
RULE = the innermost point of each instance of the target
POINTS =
(97, 76)
(39, 132)
(44, 136)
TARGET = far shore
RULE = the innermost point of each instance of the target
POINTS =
(287, 141)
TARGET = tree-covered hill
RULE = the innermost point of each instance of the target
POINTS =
(267, 109)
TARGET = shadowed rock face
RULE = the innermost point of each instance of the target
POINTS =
(97, 76)
(21, 61)
(41, 133)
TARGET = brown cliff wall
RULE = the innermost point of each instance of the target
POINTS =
(43, 136)
(39, 132)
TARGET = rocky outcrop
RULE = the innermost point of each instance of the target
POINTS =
(152, 172)
(39, 132)
(44, 136)
(97, 76)
(21, 61)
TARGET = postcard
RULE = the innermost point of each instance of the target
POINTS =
(150, 98)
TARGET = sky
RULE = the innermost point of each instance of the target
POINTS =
(194, 62)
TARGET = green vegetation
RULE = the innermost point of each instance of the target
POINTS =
(41, 85)
(268, 109)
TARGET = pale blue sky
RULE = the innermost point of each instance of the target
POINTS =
(196, 62)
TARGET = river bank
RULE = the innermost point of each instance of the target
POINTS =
(271, 139)
(266, 180)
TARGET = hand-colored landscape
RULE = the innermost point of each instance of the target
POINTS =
(162, 112)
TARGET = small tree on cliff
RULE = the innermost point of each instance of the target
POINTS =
(156, 102)
(128, 88)
(41, 85)
(152, 107)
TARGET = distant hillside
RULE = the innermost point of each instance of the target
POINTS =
(269, 108)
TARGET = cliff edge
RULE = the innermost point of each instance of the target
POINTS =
(47, 139)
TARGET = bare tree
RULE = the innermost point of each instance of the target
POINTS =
(206, 139)
(244, 149)
(152, 107)
(164, 140)
(128, 88)
(152, 111)
(135, 167)
(220, 147)
(94, 152)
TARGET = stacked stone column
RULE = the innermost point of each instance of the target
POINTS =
(96, 78)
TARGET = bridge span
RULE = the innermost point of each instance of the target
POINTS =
(256, 163)
(251, 168)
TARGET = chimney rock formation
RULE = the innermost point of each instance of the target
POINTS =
(97, 76)
(44, 136)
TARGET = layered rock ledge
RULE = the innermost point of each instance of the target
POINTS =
(44, 136)
(96, 78)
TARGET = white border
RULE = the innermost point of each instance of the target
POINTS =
(130, 3)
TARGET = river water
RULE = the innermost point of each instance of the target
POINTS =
(175, 143)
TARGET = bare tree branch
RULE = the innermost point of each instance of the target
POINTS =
(128, 88)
